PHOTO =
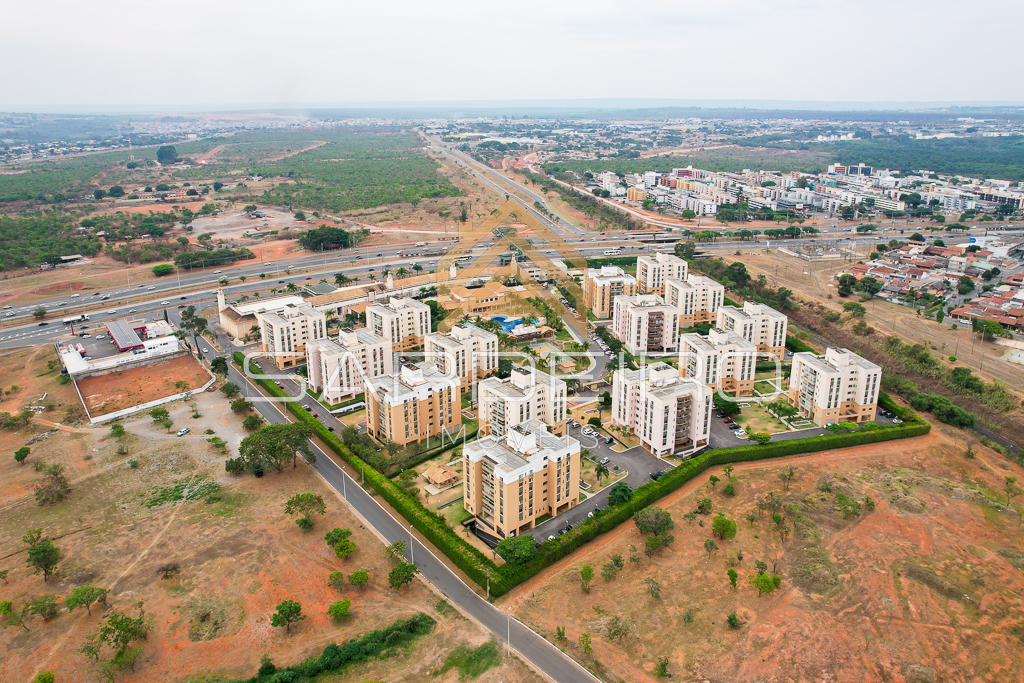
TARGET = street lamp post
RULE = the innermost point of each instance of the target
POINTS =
(412, 548)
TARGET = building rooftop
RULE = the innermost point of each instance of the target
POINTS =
(124, 333)
(524, 449)
(835, 359)
(414, 381)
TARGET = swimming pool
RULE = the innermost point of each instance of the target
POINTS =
(507, 324)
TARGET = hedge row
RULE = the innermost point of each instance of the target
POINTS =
(797, 346)
(336, 657)
(475, 564)
(554, 550)
(433, 526)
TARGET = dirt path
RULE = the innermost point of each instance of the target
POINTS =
(206, 156)
(319, 143)
(682, 150)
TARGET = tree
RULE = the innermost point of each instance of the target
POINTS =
(219, 365)
(9, 616)
(586, 576)
(359, 578)
(585, 642)
(306, 504)
(163, 269)
(288, 612)
(396, 551)
(854, 309)
(167, 424)
(39, 312)
(166, 154)
(32, 537)
(653, 588)
(724, 528)
(159, 414)
(44, 677)
(252, 422)
(732, 577)
(229, 389)
(272, 447)
(54, 487)
(117, 431)
(710, 546)
(83, 596)
(608, 570)
(21, 454)
(336, 536)
(733, 621)
(619, 493)
(44, 606)
(1010, 489)
(99, 193)
(704, 506)
(601, 472)
(517, 550)
(340, 610)
(241, 405)
(765, 583)
(653, 520)
(760, 438)
(714, 480)
(344, 548)
(401, 574)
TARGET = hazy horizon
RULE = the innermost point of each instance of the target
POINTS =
(230, 56)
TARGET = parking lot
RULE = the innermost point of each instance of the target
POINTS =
(636, 461)
(97, 344)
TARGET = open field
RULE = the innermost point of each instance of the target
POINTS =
(239, 555)
(925, 587)
(126, 388)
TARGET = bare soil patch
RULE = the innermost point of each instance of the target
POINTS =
(923, 584)
(126, 388)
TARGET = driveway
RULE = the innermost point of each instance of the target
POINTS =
(636, 461)
(723, 437)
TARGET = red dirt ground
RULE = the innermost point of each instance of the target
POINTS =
(119, 390)
(929, 585)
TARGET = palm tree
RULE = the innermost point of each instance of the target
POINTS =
(291, 287)
(417, 267)
(601, 472)
(402, 272)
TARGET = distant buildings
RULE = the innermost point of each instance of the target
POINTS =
(837, 387)
(513, 479)
(416, 403)
(525, 395)
(339, 368)
(721, 360)
(670, 414)
(602, 285)
(696, 299)
(757, 323)
(403, 322)
(466, 352)
(285, 332)
(644, 324)
(653, 271)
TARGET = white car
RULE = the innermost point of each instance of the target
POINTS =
(184, 431)
(148, 289)
(164, 303)
(112, 311)
(75, 296)
(216, 272)
(6, 307)
(206, 350)
(131, 310)
(740, 432)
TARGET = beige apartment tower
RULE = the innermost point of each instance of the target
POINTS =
(697, 299)
(526, 395)
(339, 368)
(403, 322)
(654, 270)
(602, 285)
(417, 403)
(759, 324)
(513, 479)
(466, 352)
(837, 387)
(722, 360)
(285, 333)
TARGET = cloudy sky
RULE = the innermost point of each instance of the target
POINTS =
(63, 53)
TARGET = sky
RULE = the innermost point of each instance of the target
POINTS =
(63, 54)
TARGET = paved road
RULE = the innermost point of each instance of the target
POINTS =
(538, 651)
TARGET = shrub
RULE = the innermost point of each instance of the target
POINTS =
(340, 610)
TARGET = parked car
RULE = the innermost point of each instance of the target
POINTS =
(897, 421)
(183, 431)
(206, 350)
(720, 415)
(727, 420)
(605, 461)
(734, 426)
(609, 441)
(657, 475)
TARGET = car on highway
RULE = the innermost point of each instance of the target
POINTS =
(112, 311)
(164, 303)
(131, 310)
(359, 258)
(182, 297)
(308, 277)
(43, 324)
(6, 307)
(149, 289)
(9, 314)
(63, 303)
(216, 272)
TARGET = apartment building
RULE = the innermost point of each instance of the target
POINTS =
(722, 360)
(602, 285)
(416, 403)
(837, 387)
(512, 479)
(338, 368)
(757, 323)
(403, 322)
(669, 413)
(525, 395)
(696, 299)
(466, 352)
(654, 270)
(644, 324)
(284, 333)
